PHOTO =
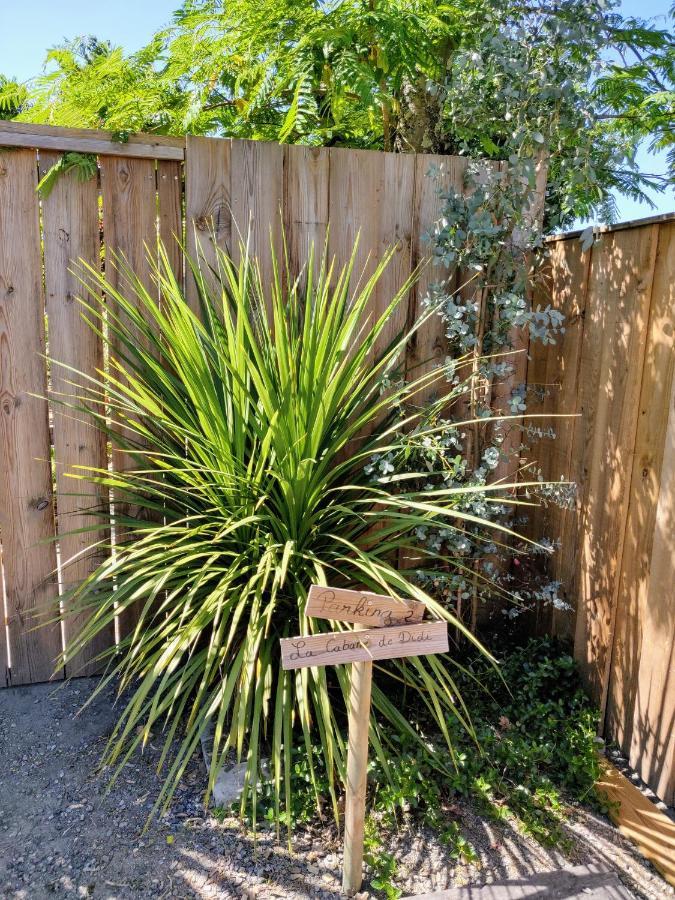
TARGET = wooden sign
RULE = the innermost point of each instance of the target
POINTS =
(362, 607)
(404, 634)
(337, 647)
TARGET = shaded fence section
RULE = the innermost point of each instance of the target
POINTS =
(614, 368)
(208, 190)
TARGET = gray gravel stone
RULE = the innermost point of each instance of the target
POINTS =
(63, 835)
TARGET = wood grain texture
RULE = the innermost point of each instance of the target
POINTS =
(639, 819)
(553, 379)
(361, 607)
(357, 776)
(70, 234)
(208, 217)
(306, 180)
(27, 526)
(130, 234)
(354, 208)
(85, 140)
(394, 230)
(257, 199)
(340, 647)
(641, 702)
(5, 673)
(612, 358)
(371, 201)
(428, 348)
(170, 199)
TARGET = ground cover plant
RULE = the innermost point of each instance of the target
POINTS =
(536, 751)
(243, 472)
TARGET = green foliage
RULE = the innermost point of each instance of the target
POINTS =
(382, 865)
(533, 750)
(490, 228)
(13, 97)
(244, 483)
(484, 78)
(83, 166)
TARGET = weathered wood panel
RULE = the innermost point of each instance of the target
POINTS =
(70, 234)
(27, 527)
(553, 382)
(257, 191)
(130, 236)
(170, 199)
(611, 365)
(306, 179)
(208, 218)
(85, 140)
(427, 350)
(641, 703)
(617, 559)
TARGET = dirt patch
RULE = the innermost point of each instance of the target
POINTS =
(63, 835)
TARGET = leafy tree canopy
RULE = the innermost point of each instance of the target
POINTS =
(494, 78)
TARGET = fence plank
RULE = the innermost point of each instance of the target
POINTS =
(553, 380)
(26, 503)
(429, 346)
(4, 655)
(306, 177)
(257, 192)
(612, 357)
(170, 198)
(394, 230)
(641, 702)
(208, 218)
(353, 208)
(71, 233)
(130, 233)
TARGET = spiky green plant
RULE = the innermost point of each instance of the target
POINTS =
(244, 448)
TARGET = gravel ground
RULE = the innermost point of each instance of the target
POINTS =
(62, 835)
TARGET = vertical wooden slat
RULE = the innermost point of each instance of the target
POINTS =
(511, 430)
(394, 230)
(306, 175)
(371, 197)
(4, 657)
(353, 211)
(130, 234)
(71, 234)
(26, 503)
(428, 348)
(257, 190)
(612, 358)
(208, 218)
(170, 197)
(641, 701)
(553, 379)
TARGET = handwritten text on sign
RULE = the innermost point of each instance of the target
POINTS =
(339, 647)
(361, 607)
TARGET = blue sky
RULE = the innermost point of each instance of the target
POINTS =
(27, 29)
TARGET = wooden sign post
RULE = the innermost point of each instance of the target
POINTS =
(399, 632)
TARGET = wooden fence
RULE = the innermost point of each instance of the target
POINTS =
(149, 187)
(614, 368)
